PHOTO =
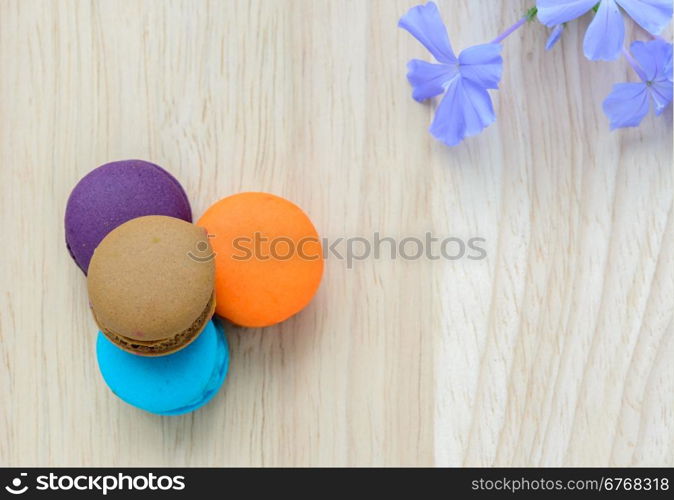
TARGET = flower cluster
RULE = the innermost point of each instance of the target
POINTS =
(466, 108)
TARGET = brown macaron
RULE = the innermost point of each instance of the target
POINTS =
(151, 284)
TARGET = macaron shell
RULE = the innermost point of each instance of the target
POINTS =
(258, 292)
(146, 280)
(114, 193)
(168, 385)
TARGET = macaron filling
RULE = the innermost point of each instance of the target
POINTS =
(162, 346)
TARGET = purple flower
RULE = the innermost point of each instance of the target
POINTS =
(606, 33)
(628, 103)
(466, 109)
(555, 35)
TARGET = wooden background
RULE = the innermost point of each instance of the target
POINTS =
(557, 349)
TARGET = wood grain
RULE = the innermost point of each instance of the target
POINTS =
(554, 350)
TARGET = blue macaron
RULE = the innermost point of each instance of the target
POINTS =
(167, 385)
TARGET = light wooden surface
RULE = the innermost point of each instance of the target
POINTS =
(555, 350)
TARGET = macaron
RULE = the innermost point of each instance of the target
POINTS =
(151, 284)
(268, 258)
(114, 193)
(168, 385)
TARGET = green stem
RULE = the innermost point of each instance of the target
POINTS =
(531, 13)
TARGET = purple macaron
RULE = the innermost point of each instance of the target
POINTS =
(113, 194)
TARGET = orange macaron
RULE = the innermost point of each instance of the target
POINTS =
(268, 258)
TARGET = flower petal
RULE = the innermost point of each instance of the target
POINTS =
(668, 63)
(661, 92)
(429, 79)
(651, 15)
(465, 110)
(424, 23)
(554, 12)
(605, 35)
(554, 36)
(626, 105)
(482, 64)
(650, 56)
